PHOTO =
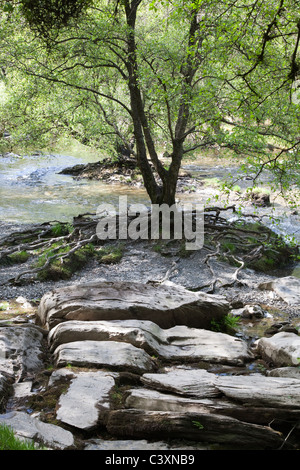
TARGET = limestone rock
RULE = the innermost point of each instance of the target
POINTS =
(141, 334)
(20, 350)
(291, 372)
(282, 349)
(287, 288)
(260, 391)
(5, 390)
(31, 428)
(197, 427)
(177, 343)
(152, 400)
(249, 311)
(129, 445)
(183, 381)
(110, 354)
(166, 305)
(94, 388)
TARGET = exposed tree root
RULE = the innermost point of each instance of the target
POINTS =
(238, 242)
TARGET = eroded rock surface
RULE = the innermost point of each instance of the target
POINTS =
(177, 343)
(165, 305)
(287, 288)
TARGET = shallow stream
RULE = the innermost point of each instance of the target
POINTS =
(33, 191)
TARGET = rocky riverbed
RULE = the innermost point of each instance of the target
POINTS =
(143, 354)
(123, 357)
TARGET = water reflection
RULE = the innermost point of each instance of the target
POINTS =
(32, 191)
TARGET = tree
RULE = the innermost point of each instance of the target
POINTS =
(188, 73)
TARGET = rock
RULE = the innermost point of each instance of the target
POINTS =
(279, 327)
(152, 400)
(177, 343)
(291, 372)
(197, 427)
(183, 381)
(249, 311)
(260, 199)
(165, 305)
(110, 354)
(21, 350)
(28, 427)
(5, 390)
(129, 445)
(287, 288)
(141, 334)
(94, 387)
(261, 391)
(281, 349)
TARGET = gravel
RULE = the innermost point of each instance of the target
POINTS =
(140, 263)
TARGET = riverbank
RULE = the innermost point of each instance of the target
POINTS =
(130, 370)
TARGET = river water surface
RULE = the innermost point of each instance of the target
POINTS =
(33, 191)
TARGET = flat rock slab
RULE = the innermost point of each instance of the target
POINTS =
(282, 349)
(261, 391)
(110, 354)
(177, 343)
(197, 427)
(287, 288)
(142, 444)
(166, 305)
(30, 428)
(255, 390)
(86, 399)
(21, 350)
(152, 400)
(183, 381)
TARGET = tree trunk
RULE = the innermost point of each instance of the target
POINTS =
(165, 192)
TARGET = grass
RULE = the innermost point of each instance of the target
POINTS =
(228, 324)
(8, 440)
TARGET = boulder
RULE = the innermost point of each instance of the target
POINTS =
(108, 354)
(287, 288)
(27, 427)
(94, 387)
(281, 349)
(166, 305)
(177, 343)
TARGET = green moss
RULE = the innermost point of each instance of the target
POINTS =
(63, 269)
(275, 253)
(60, 229)
(110, 254)
(18, 257)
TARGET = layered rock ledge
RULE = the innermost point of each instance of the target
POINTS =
(139, 367)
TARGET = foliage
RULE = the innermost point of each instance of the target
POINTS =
(178, 76)
(8, 440)
(228, 324)
(59, 268)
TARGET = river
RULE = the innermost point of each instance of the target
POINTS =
(33, 191)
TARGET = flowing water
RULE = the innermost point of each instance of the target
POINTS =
(33, 191)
